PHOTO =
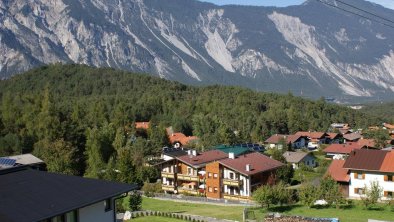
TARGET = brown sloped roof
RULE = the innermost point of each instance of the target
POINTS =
(388, 163)
(388, 126)
(142, 125)
(203, 158)
(342, 148)
(364, 159)
(337, 172)
(294, 157)
(312, 135)
(332, 135)
(277, 137)
(352, 136)
(259, 163)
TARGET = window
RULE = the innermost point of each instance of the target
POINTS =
(388, 178)
(71, 216)
(388, 194)
(107, 204)
(210, 189)
(215, 190)
(189, 171)
(215, 175)
(231, 175)
(313, 162)
(359, 191)
(209, 175)
(360, 176)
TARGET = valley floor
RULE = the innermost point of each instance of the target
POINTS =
(354, 214)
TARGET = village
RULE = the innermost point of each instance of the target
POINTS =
(233, 172)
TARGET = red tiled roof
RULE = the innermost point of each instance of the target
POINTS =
(203, 158)
(388, 126)
(342, 148)
(388, 163)
(365, 159)
(142, 125)
(332, 135)
(312, 135)
(337, 172)
(276, 138)
(366, 142)
(259, 163)
(179, 137)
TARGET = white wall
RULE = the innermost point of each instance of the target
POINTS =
(96, 212)
(244, 189)
(369, 177)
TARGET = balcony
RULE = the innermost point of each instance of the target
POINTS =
(188, 177)
(230, 182)
(168, 175)
(189, 191)
(168, 187)
(235, 197)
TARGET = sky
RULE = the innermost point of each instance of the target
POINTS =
(283, 3)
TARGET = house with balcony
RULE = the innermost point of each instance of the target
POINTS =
(186, 173)
(236, 177)
(364, 166)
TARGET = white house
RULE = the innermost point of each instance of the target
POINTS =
(367, 166)
(298, 158)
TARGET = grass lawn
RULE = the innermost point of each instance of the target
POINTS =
(221, 212)
(355, 214)
(154, 219)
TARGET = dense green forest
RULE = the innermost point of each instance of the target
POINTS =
(80, 119)
(385, 111)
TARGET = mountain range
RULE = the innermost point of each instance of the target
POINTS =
(311, 50)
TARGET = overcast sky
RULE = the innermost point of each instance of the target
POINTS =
(282, 3)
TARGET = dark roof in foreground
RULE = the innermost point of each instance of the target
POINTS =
(30, 195)
(365, 159)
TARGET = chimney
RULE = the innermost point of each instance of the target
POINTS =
(231, 155)
(189, 152)
(248, 167)
(194, 152)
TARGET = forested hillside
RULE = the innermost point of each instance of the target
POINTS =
(381, 110)
(79, 119)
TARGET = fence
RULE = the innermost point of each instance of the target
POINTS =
(182, 197)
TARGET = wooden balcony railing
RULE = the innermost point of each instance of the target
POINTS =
(187, 177)
(230, 182)
(168, 175)
(167, 187)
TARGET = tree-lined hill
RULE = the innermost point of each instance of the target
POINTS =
(74, 117)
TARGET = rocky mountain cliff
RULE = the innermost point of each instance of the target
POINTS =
(312, 49)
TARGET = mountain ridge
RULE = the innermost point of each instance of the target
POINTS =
(310, 49)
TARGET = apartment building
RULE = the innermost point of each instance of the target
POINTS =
(236, 177)
(186, 174)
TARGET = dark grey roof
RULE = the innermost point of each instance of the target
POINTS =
(32, 195)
